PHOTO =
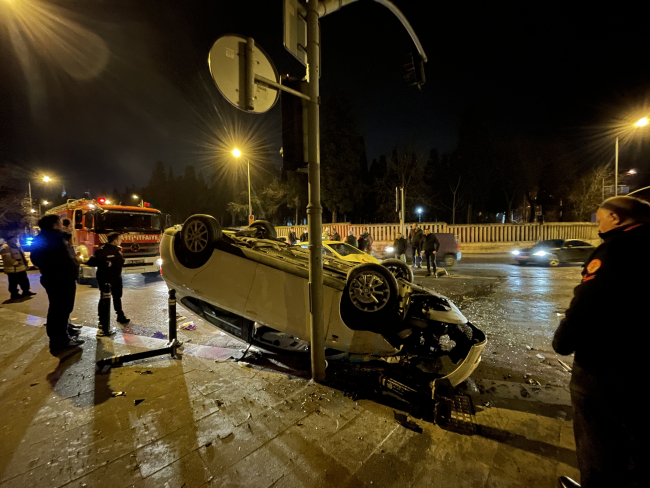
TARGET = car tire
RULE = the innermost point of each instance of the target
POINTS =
(369, 298)
(399, 269)
(522, 263)
(554, 261)
(266, 229)
(195, 242)
(450, 261)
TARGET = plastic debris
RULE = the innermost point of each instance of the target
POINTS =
(487, 404)
(529, 348)
(540, 356)
(159, 335)
(138, 401)
(118, 393)
(188, 326)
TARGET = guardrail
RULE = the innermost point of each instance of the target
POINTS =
(467, 233)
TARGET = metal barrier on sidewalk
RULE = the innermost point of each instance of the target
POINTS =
(171, 348)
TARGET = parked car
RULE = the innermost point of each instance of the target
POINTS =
(448, 253)
(255, 288)
(344, 251)
(554, 252)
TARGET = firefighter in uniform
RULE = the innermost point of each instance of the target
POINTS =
(109, 261)
(605, 326)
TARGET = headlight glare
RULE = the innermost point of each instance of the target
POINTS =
(390, 249)
(159, 262)
(516, 252)
(541, 253)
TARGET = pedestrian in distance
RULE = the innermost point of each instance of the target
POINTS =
(430, 246)
(399, 247)
(336, 236)
(369, 241)
(611, 300)
(15, 266)
(415, 238)
(362, 242)
(59, 267)
(291, 238)
(350, 239)
(109, 262)
(304, 237)
(326, 234)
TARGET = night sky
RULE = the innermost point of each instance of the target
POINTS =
(95, 92)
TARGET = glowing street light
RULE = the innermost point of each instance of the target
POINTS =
(419, 211)
(639, 123)
(136, 197)
(45, 202)
(47, 179)
(237, 153)
(631, 172)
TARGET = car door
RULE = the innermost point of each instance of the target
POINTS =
(582, 250)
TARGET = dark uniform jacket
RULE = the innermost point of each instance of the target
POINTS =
(109, 261)
(54, 256)
(352, 241)
(399, 245)
(416, 237)
(430, 243)
(606, 322)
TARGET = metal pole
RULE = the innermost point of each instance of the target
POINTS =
(403, 217)
(250, 75)
(250, 207)
(171, 306)
(616, 170)
(314, 208)
(31, 216)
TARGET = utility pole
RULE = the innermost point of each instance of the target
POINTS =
(314, 208)
(616, 170)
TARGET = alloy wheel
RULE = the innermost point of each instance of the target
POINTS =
(196, 236)
(369, 291)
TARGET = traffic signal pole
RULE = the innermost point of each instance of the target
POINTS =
(314, 208)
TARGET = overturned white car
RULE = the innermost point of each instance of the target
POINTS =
(254, 287)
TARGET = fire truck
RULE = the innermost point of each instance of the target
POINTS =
(92, 221)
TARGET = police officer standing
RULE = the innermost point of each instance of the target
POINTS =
(59, 267)
(109, 261)
(606, 326)
(430, 246)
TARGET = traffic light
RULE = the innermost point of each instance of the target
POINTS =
(294, 128)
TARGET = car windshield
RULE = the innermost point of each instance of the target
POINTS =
(116, 221)
(344, 249)
(553, 243)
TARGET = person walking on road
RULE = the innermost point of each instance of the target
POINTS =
(109, 262)
(350, 239)
(399, 247)
(611, 300)
(15, 266)
(415, 238)
(59, 267)
(430, 246)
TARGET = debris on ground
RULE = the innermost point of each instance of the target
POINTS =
(539, 356)
(159, 335)
(402, 419)
(529, 348)
(487, 405)
(144, 372)
(219, 403)
(524, 393)
(533, 382)
(138, 401)
(225, 436)
(208, 444)
(188, 326)
(527, 375)
(118, 393)
(565, 365)
(33, 384)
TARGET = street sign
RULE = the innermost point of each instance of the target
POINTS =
(295, 30)
(251, 219)
(228, 60)
(622, 190)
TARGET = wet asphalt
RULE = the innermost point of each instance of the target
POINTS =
(518, 307)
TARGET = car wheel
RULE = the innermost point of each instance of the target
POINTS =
(450, 261)
(195, 242)
(554, 261)
(369, 297)
(399, 269)
(265, 229)
(522, 263)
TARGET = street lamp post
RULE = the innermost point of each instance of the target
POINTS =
(237, 153)
(639, 123)
(141, 203)
(419, 211)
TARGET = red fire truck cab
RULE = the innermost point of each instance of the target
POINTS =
(141, 229)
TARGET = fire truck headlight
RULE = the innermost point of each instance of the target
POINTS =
(159, 262)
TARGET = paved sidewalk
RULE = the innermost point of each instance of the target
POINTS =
(206, 421)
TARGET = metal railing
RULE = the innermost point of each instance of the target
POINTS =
(467, 233)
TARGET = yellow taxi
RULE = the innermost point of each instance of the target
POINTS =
(344, 251)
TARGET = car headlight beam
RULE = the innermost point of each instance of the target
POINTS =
(516, 252)
(541, 253)
(390, 249)
(159, 262)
